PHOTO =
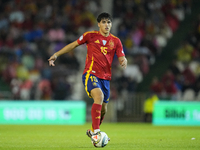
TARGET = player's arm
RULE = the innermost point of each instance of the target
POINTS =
(122, 61)
(64, 50)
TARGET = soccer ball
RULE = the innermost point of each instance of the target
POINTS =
(100, 140)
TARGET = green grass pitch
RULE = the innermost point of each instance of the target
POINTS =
(124, 136)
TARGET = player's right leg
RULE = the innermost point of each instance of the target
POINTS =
(93, 89)
(90, 132)
(98, 97)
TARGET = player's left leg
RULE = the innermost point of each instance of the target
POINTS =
(93, 89)
(98, 97)
(103, 111)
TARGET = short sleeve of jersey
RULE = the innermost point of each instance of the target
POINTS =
(83, 38)
(119, 49)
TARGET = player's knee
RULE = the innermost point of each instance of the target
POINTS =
(101, 97)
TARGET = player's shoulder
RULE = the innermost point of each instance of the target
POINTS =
(90, 32)
(114, 37)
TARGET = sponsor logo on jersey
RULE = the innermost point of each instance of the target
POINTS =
(97, 41)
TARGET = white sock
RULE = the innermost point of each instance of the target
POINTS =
(96, 130)
(91, 132)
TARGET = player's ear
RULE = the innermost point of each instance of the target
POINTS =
(99, 25)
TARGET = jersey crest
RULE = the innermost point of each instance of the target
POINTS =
(111, 44)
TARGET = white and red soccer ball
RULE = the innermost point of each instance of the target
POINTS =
(100, 140)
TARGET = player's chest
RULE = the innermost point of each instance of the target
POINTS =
(103, 45)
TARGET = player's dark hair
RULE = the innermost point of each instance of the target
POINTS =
(104, 15)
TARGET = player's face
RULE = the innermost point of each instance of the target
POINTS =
(105, 26)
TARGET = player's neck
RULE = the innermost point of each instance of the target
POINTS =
(104, 34)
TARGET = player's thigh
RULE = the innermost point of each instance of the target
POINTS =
(90, 82)
(97, 95)
(105, 87)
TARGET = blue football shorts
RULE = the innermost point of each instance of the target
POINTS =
(90, 82)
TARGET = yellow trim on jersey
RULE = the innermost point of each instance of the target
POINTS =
(90, 32)
(87, 77)
(113, 36)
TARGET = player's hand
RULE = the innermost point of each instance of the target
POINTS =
(123, 63)
(52, 59)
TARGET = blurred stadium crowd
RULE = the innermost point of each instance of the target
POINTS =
(31, 31)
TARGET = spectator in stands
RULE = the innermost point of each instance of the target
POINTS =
(44, 87)
(61, 88)
(184, 53)
(16, 15)
(189, 78)
(157, 87)
(4, 22)
(174, 69)
(56, 34)
(196, 86)
(170, 87)
(26, 29)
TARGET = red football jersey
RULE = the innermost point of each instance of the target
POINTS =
(100, 53)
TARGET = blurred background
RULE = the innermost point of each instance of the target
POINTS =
(161, 40)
